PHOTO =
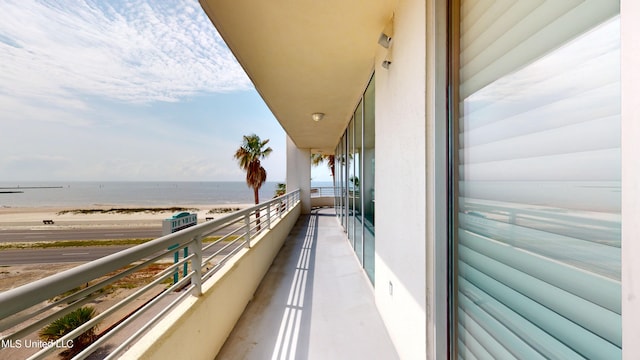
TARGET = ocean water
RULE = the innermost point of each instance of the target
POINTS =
(152, 193)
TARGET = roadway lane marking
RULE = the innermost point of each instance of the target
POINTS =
(35, 236)
(8, 233)
(73, 254)
(121, 234)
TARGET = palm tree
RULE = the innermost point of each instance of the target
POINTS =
(68, 323)
(317, 159)
(281, 189)
(248, 156)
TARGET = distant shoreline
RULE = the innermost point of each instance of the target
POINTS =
(144, 193)
(30, 187)
(107, 216)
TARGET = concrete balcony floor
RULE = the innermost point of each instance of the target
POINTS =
(315, 302)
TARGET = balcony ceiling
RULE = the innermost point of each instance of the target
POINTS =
(304, 57)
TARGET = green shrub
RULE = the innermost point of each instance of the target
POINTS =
(68, 323)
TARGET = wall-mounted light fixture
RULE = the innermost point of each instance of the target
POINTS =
(384, 40)
(386, 64)
(317, 116)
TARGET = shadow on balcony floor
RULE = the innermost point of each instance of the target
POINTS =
(314, 303)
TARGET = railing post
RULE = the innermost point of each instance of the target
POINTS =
(247, 224)
(196, 265)
(176, 258)
(185, 266)
(269, 216)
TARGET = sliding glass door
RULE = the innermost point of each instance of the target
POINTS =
(355, 160)
(537, 127)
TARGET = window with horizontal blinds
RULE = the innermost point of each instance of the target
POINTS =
(538, 240)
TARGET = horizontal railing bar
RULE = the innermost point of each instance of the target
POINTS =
(240, 238)
(134, 316)
(49, 318)
(222, 249)
(221, 227)
(219, 252)
(214, 243)
(323, 191)
(73, 297)
(13, 302)
(176, 265)
(223, 238)
(43, 289)
(94, 321)
(212, 271)
(30, 294)
(146, 326)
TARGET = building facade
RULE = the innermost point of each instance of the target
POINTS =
(486, 161)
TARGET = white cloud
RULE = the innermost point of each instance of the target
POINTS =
(130, 51)
(122, 90)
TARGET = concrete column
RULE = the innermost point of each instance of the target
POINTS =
(299, 173)
(630, 59)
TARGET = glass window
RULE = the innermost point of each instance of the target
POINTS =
(355, 168)
(538, 242)
(351, 168)
(356, 181)
(368, 178)
(339, 195)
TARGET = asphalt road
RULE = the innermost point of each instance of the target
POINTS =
(70, 254)
(56, 255)
(7, 236)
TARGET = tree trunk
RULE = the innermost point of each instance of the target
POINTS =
(257, 201)
(255, 195)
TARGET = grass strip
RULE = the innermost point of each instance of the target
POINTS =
(224, 210)
(85, 243)
(126, 210)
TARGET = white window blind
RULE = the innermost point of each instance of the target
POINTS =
(538, 251)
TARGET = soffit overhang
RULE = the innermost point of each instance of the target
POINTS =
(304, 57)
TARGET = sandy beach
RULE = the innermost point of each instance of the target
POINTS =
(12, 218)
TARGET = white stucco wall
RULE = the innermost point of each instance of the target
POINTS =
(630, 29)
(401, 183)
(299, 173)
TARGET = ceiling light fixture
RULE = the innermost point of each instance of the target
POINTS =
(317, 116)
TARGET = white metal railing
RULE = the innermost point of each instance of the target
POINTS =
(324, 191)
(27, 309)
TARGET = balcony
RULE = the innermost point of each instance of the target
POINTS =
(314, 303)
(291, 287)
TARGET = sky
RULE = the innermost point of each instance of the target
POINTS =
(125, 90)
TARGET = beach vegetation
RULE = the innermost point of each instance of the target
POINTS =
(64, 325)
(173, 209)
(281, 189)
(223, 210)
(87, 243)
(72, 243)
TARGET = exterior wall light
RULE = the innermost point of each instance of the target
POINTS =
(386, 64)
(384, 40)
(317, 116)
